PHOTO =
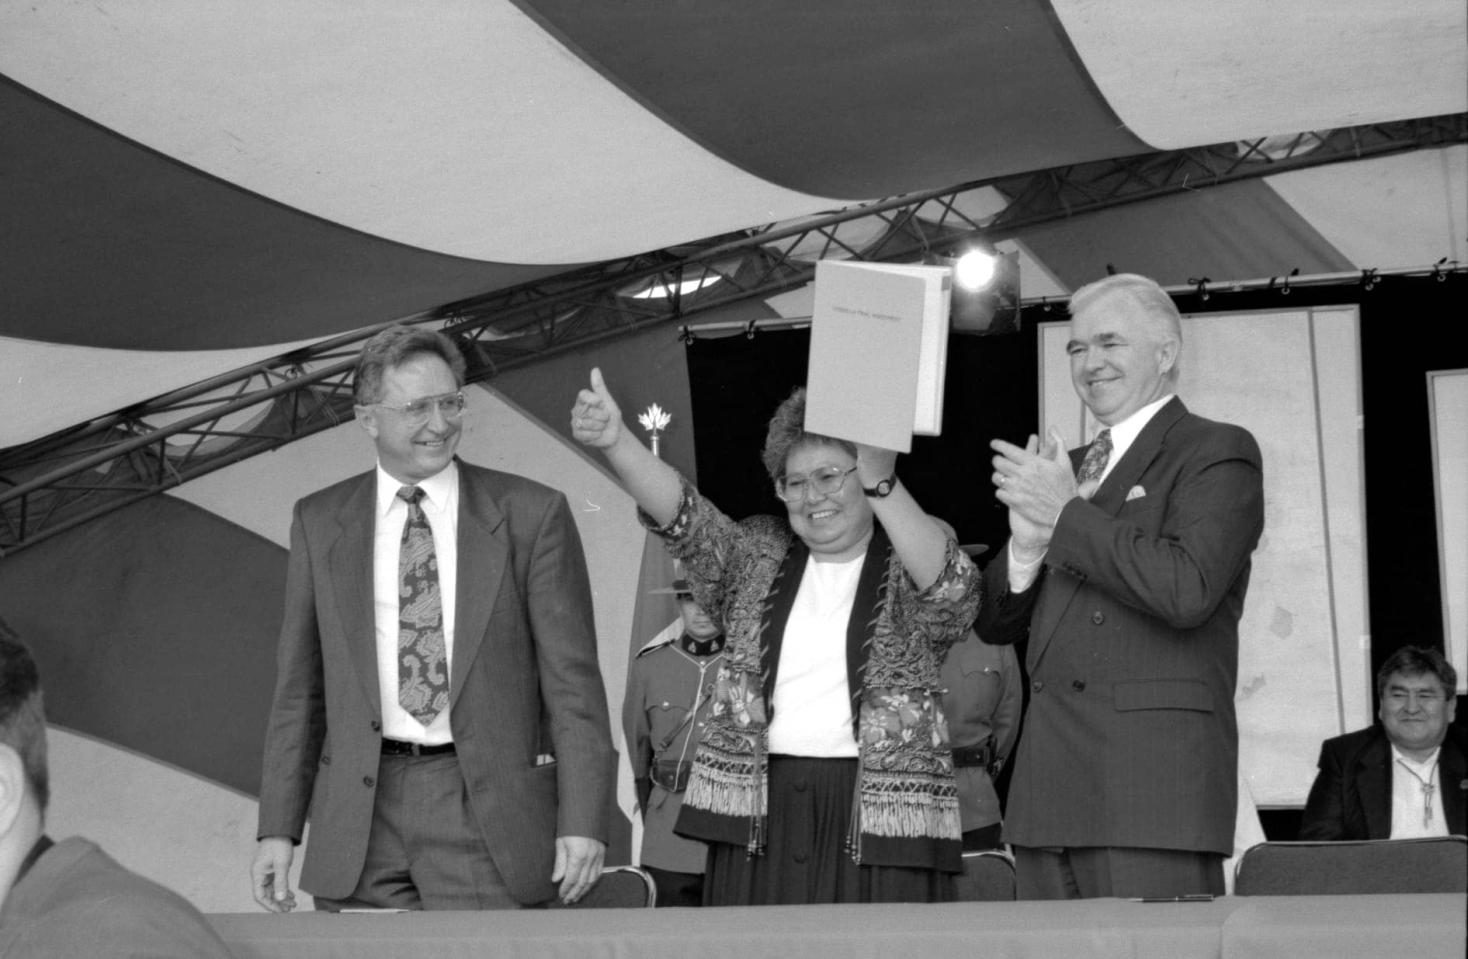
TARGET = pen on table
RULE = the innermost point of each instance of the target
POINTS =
(1190, 897)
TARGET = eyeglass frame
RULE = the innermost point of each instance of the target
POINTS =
(436, 401)
(810, 479)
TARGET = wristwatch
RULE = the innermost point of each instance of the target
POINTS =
(883, 488)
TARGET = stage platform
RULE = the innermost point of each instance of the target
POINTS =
(1340, 927)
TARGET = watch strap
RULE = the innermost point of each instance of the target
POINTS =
(883, 488)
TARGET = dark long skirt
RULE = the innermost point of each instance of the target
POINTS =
(805, 858)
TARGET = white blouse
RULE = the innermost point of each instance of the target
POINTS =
(812, 698)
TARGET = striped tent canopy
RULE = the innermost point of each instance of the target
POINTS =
(187, 187)
(190, 188)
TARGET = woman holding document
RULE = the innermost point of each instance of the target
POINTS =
(824, 772)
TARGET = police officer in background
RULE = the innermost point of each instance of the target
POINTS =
(983, 699)
(669, 688)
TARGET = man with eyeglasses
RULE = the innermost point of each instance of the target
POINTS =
(439, 709)
(1406, 778)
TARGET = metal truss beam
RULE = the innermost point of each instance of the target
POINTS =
(71, 477)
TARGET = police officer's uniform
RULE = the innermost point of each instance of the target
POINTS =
(667, 679)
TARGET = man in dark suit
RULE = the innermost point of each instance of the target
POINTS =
(1126, 569)
(438, 706)
(70, 898)
(1406, 778)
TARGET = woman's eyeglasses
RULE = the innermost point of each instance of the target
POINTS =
(827, 481)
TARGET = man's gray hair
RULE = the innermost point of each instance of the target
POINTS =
(390, 348)
(1146, 296)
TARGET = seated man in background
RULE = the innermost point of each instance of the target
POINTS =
(669, 691)
(982, 700)
(70, 899)
(1405, 778)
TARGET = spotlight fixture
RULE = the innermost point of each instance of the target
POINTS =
(975, 269)
(985, 291)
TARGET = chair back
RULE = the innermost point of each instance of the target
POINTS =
(620, 887)
(1354, 867)
(988, 876)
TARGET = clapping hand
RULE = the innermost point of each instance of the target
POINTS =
(1035, 482)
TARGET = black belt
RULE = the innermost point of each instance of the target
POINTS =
(395, 747)
(980, 755)
(671, 774)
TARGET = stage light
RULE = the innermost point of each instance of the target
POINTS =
(975, 269)
(986, 296)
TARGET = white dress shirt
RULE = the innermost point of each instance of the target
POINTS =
(440, 506)
(1410, 800)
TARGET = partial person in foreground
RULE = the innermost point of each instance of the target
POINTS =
(438, 707)
(982, 699)
(670, 689)
(824, 774)
(69, 899)
(1127, 567)
(1407, 777)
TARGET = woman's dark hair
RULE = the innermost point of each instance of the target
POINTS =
(787, 431)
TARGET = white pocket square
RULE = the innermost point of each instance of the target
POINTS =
(1136, 492)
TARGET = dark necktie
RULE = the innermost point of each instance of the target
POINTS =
(423, 675)
(1095, 462)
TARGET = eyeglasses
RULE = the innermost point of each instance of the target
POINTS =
(418, 412)
(827, 481)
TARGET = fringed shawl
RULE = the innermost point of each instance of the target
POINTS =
(746, 575)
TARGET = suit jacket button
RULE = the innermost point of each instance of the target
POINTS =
(1098, 617)
(376, 726)
(368, 781)
(326, 760)
(1037, 685)
(1079, 685)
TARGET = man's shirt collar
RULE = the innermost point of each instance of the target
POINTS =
(438, 489)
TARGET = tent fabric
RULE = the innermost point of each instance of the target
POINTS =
(159, 635)
(189, 187)
(411, 159)
(1240, 230)
(849, 120)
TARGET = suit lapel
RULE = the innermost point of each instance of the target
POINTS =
(1374, 783)
(349, 558)
(1144, 449)
(484, 562)
(1109, 497)
(1453, 777)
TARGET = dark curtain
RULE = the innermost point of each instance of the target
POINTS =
(991, 390)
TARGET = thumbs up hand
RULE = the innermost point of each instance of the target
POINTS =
(596, 420)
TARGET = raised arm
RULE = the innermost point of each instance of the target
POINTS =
(921, 543)
(596, 421)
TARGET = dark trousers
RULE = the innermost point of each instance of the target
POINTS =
(1090, 872)
(983, 838)
(677, 888)
(425, 850)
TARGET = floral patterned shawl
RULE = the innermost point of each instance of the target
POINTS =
(746, 575)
